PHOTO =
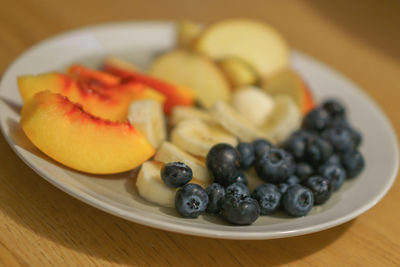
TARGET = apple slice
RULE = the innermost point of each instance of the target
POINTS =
(77, 139)
(187, 32)
(238, 72)
(193, 71)
(255, 42)
(289, 83)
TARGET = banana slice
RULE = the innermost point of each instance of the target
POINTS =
(197, 137)
(168, 152)
(235, 123)
(152, 188)
(252, 179)
(148, 117)
(181, 113)
(253, 103)
(284, 119)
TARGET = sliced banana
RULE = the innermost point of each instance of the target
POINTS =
(181, 113)
(148, 117)
(169, 152)
(152, 188)
(284, 119)
(235, 123)
(253, 103)
(197, 137)
(252, 179)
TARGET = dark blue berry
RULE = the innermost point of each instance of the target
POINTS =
(176, 174)
(334, 108)
(321, 188)
(268, 197)
(216, 193)
(303, 170)
(239, 177)
(240, 209)
(340, 139)
(293, 180)
(296, 145)
(237, 189)
(334, 173)
(191, 200)
(222, 161)
(247, 156)
(334, 159)
(318, 151)
(274, 166)
(298, 200)
(283, 187)
(353, 162)
(261, 146)
(316, 120)
(355, 136)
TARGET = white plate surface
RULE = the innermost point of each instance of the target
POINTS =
(140, 42)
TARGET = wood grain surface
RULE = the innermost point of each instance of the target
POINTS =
(42, 226)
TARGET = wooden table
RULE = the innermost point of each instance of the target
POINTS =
(42, 226)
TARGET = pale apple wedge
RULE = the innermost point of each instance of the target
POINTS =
(288, 82)
(239, 72)
(187, 32)
(257, 43)
(193, 71)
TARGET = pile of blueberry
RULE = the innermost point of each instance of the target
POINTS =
(303, 171)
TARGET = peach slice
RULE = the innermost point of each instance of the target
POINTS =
(290, 83)
(106, 101)
(175, 95)
(194, 71)
(257, 43)
(79, 140)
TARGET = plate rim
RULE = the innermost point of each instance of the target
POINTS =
(194, 230)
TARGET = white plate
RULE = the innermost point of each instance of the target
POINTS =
(117, 195)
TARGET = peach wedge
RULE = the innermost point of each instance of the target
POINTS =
(79, 140)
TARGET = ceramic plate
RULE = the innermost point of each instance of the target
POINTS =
(116, 194)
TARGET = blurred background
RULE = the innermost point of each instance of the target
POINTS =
(343, 34)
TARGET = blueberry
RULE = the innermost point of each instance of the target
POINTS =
(191, 200)
(340, 138)
(296, 145)
(274, 166)
(334, 159)
(247, 156)
(334, 173)
(268, 197)
(316, 120)
(222, 160)
(237, 189)
(298, 200)
(239, 177)
(216, 193)
(240, 209)
(283, 187)
(260, 146)
(293, 180)
(318, 150)
(176, 174)
(355, 136)
(334, 108)
(321, 188)
(353, 162)
(303, 170)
